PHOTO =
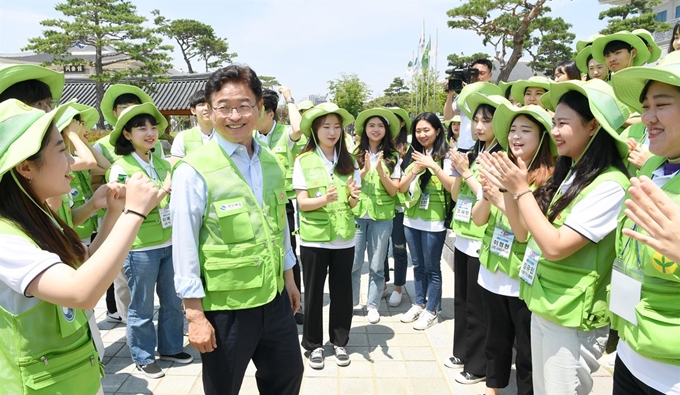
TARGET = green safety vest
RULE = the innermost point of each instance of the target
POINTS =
(572, 292)
(334, 220)
(109, 152)
(64, 211)
(657, 335)
(469, 229)
(81, 192)
(374, 198)
(151, 232)
(192, 139)
(494, 262)
(436, 209)
(278, 144)
(47, 349)
(240, 243)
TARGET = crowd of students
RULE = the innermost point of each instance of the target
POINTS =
(562, 194)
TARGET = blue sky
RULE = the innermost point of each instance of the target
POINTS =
(305, 43)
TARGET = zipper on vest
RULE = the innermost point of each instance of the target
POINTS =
(45, 361)
(257, 262)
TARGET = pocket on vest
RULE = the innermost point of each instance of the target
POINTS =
(657, 329)
(315, 227)
(150, 232)
(234, 220)
(233, 274)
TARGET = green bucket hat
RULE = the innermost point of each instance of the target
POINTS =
(401, 114)
(582, 59)
(456, 118)
(392, 120)
(520, 86)
(505, 86)
(89, 116)
(581, 44)
(506, 114)
(113, 92)
(476, 99)
(22, 129)
(320, 110)
(645, 35)
(627, 37)
(481, 87)
(131, 112)
(10, 75)
(305, 105)
(629, 83)
(607, 109)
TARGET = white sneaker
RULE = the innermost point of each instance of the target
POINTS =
(373, 315)
(412, 314)
(395, 299)
(425, 320)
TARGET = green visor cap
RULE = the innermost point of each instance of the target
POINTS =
(520, 86)
(305, 105)
(392, 120)
(88, 115)
(320, 110)
(10, 75)
(481, 87)
(402, 115)
(476, 99)
(581, 44)
(505, 115)
(655, 51)
(609, 111)
(112, 94)
(505, 86)
(629, 83)
(22, 129)
(131, 112)
(634, 41)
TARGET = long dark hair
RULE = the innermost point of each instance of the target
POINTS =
(345, 165)
(440, 148)
(676, 28)
(401, 141)
(18, 209)
(487, 112)
(543, 165)
(385, 145)
(601, 155)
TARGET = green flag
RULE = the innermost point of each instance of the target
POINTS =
(425, 62)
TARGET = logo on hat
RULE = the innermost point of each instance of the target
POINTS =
(69, 313)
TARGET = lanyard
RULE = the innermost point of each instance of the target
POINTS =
(637, 249)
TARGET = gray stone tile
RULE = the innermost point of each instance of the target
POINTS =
(414, 339)
(355, 369)
(418, 354)
(381, 327)
(192, 369)
(138, 385)
(357, 386)
(391, 353)
(111, 382)
(394, 386)
(381, 339)
(423, 369)
(320, 386)
(119, 365)
(174, 385)
(390, 369)
(358, 339)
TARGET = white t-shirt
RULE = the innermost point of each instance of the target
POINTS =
(419, 223)
(396, 173)
(299, 183)
(264, 138)
(465, 140)
(150, 171)
(178, 150)
(498, 282)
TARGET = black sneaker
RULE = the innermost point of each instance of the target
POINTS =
(179, 358)
(299, 318)
(454, 363)
(341, 357)
(316, 359)
(469, 378)
(151, 370)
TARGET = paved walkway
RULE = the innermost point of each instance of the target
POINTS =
(387, 358)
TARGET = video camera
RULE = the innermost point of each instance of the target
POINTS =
(461, 74)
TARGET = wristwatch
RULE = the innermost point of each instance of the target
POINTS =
(290, 101)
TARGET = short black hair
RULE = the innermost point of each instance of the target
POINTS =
(615, 45)
(29, 92)
(197, 98)
(270, 99)
(126, 98)
(233, 73)
(124, 146)
(485, 62)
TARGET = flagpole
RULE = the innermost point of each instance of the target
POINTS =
(436, 74)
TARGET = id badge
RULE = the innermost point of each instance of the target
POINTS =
(501, 242)
(626, 288)
(530, 263)
(463, 209)
(164, 212)
(424, 201)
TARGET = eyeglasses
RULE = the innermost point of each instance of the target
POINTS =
(243, 110)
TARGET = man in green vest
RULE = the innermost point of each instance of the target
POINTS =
(190, 139)
(281, 139)
(231, 247)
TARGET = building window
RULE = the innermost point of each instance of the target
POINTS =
(677, 11)
(661, 16)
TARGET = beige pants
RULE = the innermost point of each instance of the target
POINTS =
(122, 292)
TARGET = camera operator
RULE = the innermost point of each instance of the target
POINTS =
(465, 140)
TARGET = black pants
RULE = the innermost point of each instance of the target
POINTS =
(625, 383)
(265, 334)
(111, 301)
(290, 213)
(508, 318)
(338, 265)
(398, 240)
(469, 329)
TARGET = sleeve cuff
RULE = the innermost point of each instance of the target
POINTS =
(189, 288)
(289, 260)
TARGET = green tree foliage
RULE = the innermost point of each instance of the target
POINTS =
(455, 60)
(507, 25)
(195, 40)
(635, 14)
(397, 88)
(269, 82)
(550, 46)
(113, 28)
(349, 92)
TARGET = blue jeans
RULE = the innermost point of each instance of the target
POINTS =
(375, 235)
(398, 251)
(146, 270)
(426, 253)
